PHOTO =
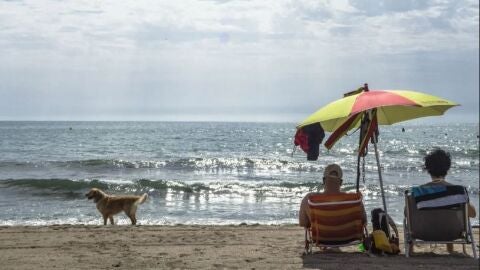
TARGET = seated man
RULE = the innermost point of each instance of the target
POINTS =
(332, 181)
(437, 163)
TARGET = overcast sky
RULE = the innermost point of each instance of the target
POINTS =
(239, 60)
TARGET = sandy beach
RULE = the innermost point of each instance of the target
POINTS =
(195, 247)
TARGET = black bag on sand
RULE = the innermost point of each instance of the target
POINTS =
(381, 221)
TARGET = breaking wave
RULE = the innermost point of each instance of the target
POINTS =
(273, 188)
(186, 164)
(221, 164)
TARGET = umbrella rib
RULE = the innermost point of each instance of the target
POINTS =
(384, 115)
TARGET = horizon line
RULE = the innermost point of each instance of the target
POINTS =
(411, 122)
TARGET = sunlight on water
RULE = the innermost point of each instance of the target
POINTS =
(204, 173)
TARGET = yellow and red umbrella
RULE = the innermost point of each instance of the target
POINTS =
(392, 106)
(387, 107)
(368, 109)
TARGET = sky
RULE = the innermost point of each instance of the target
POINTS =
(238, 60)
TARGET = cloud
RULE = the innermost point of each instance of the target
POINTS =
(109, 56)
(394, 25)
(381, 7)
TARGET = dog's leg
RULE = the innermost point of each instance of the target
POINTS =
(105, 219)
(111, 220)
(131, 215)
(134, 220)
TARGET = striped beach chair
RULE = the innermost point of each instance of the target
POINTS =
(335, 221)
(438, 218)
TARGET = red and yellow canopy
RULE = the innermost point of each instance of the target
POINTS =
(392, 106)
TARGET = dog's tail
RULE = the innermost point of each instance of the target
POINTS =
(142, 199)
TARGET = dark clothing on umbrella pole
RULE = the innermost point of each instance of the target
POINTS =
(309, 138)
(368, 131)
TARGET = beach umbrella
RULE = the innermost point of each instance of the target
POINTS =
(366, 109)
(392, 106)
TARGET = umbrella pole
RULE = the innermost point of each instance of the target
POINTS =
(358, 172)
(381, 180)
(362, 131)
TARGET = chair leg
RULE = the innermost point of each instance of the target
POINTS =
(407, 250)
(308, 244)
(474, 248)
(472, 239)
(406, 241)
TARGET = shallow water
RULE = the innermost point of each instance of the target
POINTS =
(205, 173)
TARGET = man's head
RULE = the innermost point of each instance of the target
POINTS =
(437, 163)
(332, 177)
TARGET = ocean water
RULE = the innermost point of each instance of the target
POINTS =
(206, 172)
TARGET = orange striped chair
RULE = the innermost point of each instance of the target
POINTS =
(335, 221)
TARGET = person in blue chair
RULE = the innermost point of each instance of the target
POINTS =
(437, 164)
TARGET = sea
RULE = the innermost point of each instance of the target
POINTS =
(208, 172)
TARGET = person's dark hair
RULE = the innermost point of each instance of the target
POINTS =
(437, 163)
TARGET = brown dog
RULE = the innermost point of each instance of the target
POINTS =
(110, 205)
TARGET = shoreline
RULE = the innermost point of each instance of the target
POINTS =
(199, 247)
